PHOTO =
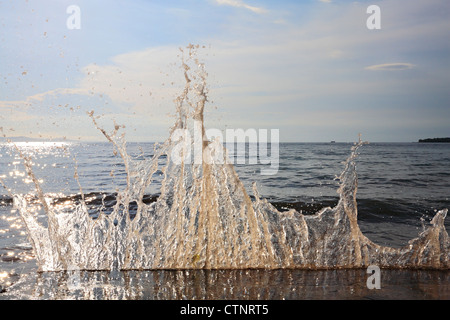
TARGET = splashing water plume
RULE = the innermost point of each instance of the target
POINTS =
(205, 219)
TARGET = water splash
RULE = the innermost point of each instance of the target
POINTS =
(205, 219)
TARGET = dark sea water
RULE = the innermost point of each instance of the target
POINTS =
(401, 186)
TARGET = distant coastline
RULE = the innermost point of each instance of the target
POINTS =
(29, 139)
(435, 140)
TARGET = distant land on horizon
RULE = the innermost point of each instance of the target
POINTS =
(435, 140)
(29, 139)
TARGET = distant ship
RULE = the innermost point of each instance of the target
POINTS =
(332, 141)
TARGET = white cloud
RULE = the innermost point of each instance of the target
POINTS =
(241, 4)
(55, 92)
(39, 97)
(136, 89)
(391, 66)
(143, 81)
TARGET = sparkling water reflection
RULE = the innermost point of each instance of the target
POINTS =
(230, 285)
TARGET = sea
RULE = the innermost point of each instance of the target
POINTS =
(401, 186)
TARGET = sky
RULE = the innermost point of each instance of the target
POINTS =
(312, 69)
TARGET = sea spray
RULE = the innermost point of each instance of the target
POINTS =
(205, 219)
